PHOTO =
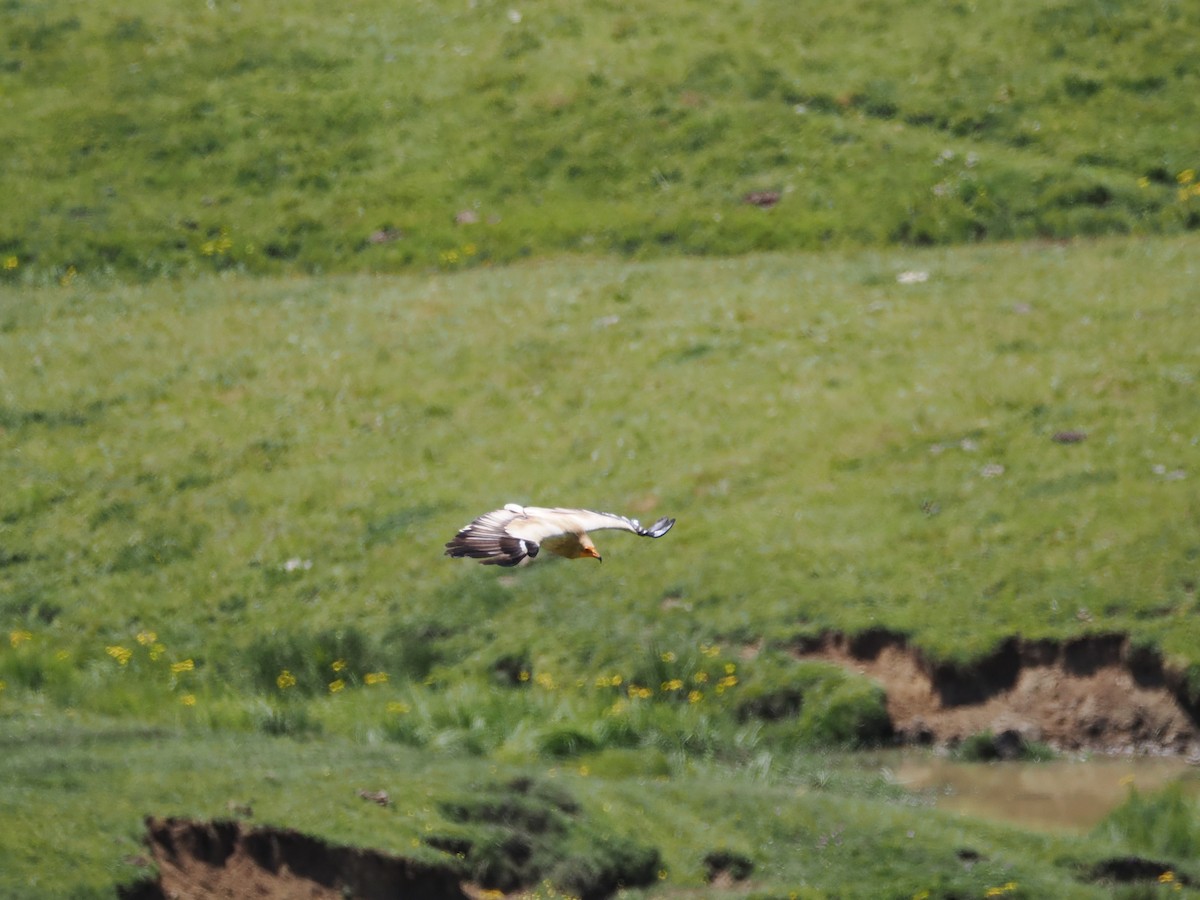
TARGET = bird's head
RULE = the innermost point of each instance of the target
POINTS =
(589, 550)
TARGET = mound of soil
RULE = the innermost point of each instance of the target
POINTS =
(1095, 693)
(226, 859)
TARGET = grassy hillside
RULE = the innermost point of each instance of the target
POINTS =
(225, 459)
(225, 500)
(156, 138)
(874, 453)
(815, 828)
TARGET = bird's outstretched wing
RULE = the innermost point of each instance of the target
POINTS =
(488, 540)
(509, 536)
(589, 520)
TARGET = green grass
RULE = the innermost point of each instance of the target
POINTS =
(263, 471)
(1163, 824)
(170, 138)
(214, 482)
(813, 828)
(223, 498)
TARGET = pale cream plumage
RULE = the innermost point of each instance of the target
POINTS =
(515, 534)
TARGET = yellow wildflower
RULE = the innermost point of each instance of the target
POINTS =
(673, 685)
(338, 665)
(700, 678)
(146, 638)
(188, 699)
(19, 637)
(544, 679)
(186, 665)
(397, 707)
(376, 678)
(667, 657)
(695, 697)
(1166, 877)
(157, 651)
(730, 668)
(10, 263)
(336, 685)
(285, 680)
(1187, 176)
(1007, 888)
(217, 246)
(119, 653)
(523, 675)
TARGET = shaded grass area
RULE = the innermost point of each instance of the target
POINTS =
(81, 787)
(169, 138)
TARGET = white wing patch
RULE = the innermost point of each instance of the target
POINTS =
(514, 534)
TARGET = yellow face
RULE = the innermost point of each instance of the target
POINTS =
(572, 546)
(590, 551)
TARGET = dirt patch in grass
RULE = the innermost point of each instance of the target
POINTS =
(227, 859)
(509, 837)
(1096, 692)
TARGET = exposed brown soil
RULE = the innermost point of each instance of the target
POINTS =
(224, 860)
(1095, 693)
(1092, 693)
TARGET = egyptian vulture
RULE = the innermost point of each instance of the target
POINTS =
(516, 534)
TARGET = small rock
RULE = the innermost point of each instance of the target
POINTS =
(762, 199)
(1069, 437)
(378, 797)
(385, 236)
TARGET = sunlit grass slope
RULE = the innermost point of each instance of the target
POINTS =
(225, 502)
(147, 138)
(258, 476)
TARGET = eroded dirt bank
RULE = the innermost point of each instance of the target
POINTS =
(227, 859)
(1096, 693)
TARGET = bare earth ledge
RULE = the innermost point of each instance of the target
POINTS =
(1098, 692)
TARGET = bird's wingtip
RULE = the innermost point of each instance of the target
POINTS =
(661, 527)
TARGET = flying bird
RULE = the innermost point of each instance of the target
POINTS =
(515, 534)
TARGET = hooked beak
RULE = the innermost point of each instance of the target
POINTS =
(593, 553)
